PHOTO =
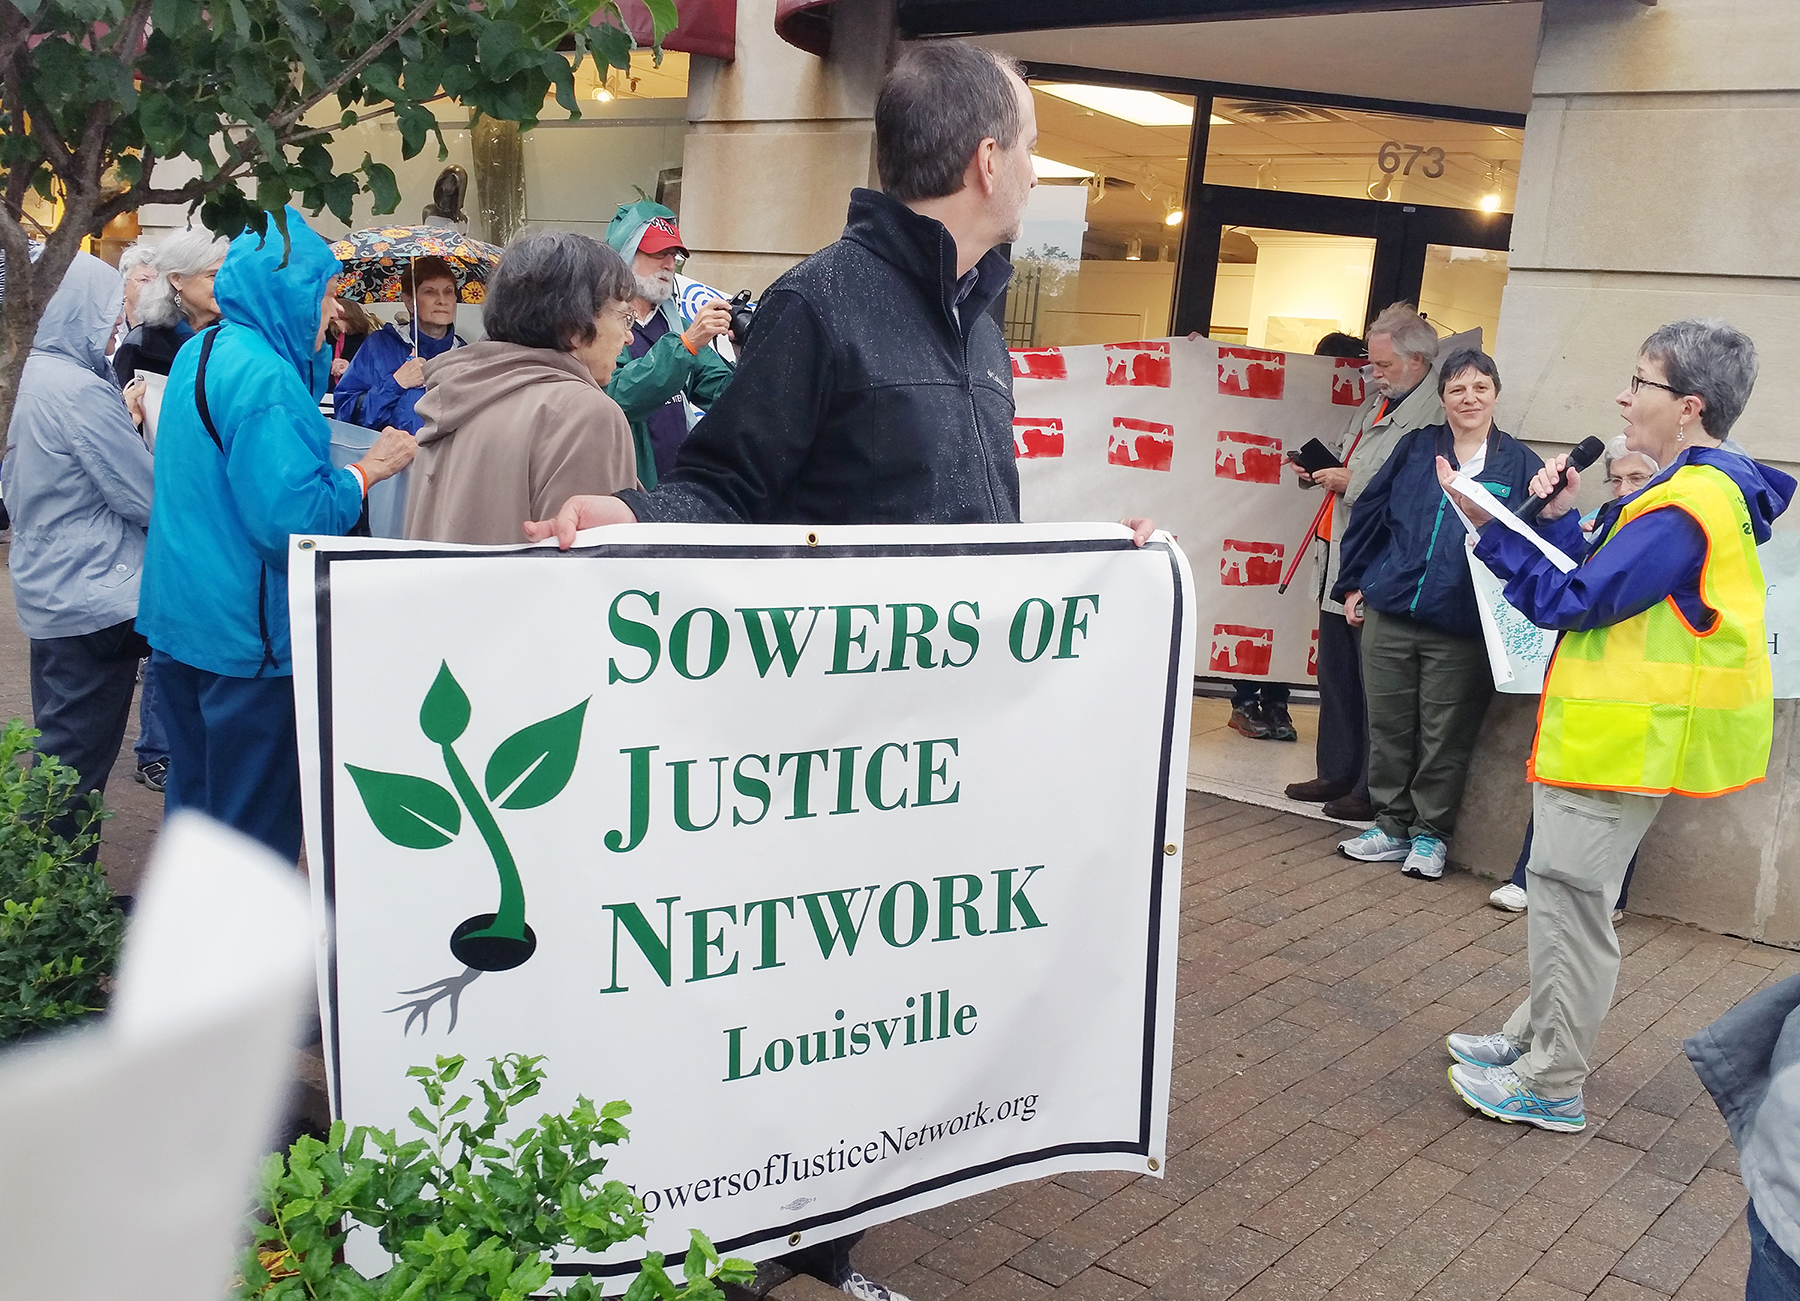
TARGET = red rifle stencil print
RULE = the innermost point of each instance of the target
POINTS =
(1312, 655)
(1252, 373)
(1035, 437)
(1250, 564)
(1347, 388)
(1138, 365)
(1240, 651)
(1252, 458)
(1039, 363)
(1140, 444)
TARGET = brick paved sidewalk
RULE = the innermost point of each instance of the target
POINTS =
(1315, 1147)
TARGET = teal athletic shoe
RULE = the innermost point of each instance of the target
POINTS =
(1375, 846)
(1425, 859)
(1497, 1091)
(1482, 1050)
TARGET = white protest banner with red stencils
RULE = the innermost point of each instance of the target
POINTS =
(1193, 434)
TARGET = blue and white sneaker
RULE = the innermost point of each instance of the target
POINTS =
(1482, 1049)
(1376, 846)
(1425, 859)
(1497, 1091)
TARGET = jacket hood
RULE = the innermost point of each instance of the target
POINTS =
(1767, 491)
(275, 289)
(629, 224)
(79, 318)
(923, 248)
(462, 383)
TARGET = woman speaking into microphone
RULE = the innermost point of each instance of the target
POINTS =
(1660, 683)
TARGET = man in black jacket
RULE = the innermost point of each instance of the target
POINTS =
(874, 387)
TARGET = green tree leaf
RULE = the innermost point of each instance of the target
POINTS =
(445, 714)
(411, 811)
(540, 759)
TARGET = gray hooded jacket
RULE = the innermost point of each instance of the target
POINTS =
(1749, 1060)
(77, 476)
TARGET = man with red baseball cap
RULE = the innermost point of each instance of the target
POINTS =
(668, 368)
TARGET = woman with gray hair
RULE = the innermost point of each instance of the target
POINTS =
(519, 422)
(1660, 683)
(175, 305)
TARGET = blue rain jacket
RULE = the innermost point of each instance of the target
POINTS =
(77, 472)
(368, 395)
(1657, 556)
(215, 575)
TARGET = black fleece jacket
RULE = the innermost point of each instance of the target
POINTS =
(865, 394)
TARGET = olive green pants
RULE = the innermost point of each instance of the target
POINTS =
(1427, 692)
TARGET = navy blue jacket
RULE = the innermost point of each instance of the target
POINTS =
(1405, 544)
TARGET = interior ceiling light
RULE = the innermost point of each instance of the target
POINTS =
(1144, 107)
(1491, 201)
(1048, 169)
(1173, 216)
(1134, 249)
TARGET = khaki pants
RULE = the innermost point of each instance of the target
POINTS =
(1583, 842)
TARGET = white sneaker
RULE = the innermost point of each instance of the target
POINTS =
(1375, 846)
(1425, 860)
(1509, 898)
(867, 1289)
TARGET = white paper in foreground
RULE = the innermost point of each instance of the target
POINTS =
(130, 1146)
(1476, 493)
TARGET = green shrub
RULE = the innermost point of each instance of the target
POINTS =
(59, 927)
(464, 1213)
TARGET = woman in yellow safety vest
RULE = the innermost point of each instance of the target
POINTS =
(1660, 682)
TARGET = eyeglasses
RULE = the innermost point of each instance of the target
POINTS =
(1638, 382)
(1631, 481)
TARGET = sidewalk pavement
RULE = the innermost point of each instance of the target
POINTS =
(1315, 1147)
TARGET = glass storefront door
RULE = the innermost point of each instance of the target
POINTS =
(1287, 289)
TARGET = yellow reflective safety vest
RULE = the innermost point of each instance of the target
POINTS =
(1652, 704)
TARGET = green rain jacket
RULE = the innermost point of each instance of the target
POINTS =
(642, 384)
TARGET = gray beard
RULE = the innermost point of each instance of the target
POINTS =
(654, 290)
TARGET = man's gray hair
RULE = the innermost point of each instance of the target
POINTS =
(1619, 448)
(940, 101)
(549, 287)
(187, 252)
(1710, 359)
(1410, 333)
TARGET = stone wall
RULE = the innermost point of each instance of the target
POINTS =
(1659, 155)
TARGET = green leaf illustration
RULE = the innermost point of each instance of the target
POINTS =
(445, 714)
(543, 755)
(410, 811)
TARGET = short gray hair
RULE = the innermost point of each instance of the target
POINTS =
(1410, 333)
(549, 287)
(1619, 449)
(138, 255)
(1711, 360)
(937, 105)
(185, 253)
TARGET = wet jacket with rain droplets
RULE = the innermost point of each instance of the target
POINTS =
(215, 572)
(865, 395)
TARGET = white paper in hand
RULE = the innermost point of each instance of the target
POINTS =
(1491, 504)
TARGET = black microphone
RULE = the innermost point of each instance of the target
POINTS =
(1586, 452)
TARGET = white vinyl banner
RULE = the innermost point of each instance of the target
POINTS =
(849, 856)
(1194, 435)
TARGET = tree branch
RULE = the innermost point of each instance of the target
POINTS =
(412, 19)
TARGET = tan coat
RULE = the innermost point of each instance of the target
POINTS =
(510, 434)
(1422, 407)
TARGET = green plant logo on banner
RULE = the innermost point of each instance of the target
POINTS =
(527, 770)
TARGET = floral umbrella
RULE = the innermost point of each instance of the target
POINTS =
(375, 261)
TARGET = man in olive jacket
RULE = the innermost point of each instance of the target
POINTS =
(670, 362)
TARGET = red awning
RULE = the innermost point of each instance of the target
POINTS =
(706, 26)
(806, 23)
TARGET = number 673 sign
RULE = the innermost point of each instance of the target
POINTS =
(1396, 157)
